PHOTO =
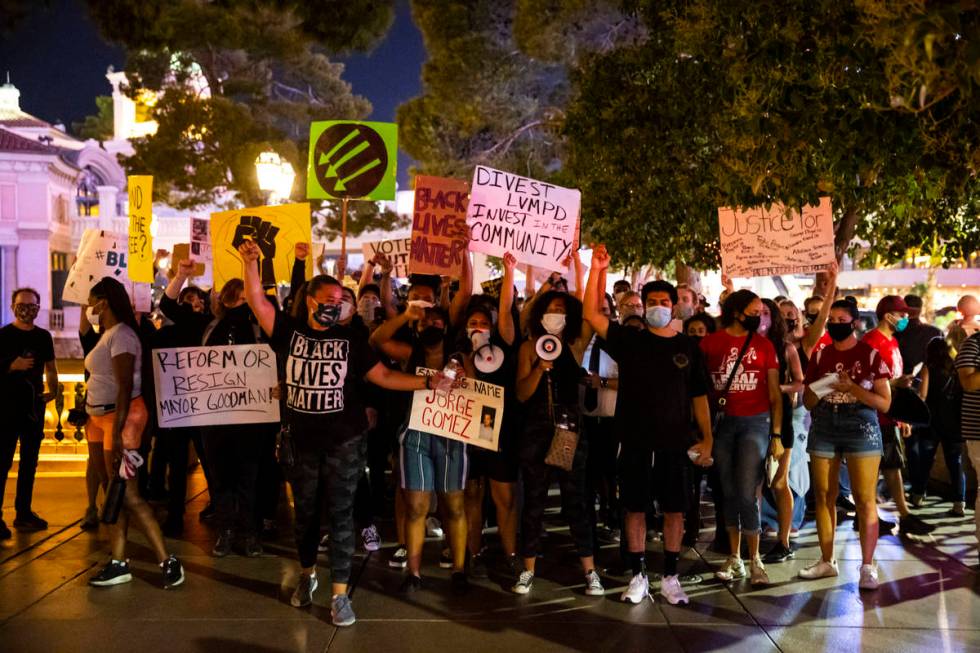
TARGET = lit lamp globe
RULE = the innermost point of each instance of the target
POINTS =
(275, 176)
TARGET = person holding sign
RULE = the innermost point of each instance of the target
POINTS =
(325, 367)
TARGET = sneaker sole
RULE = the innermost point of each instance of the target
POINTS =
(445, 565)
(397, 565)
(343, 624)
(521, 590)
(118, 580)
(626, 598)
(371, 548)
(601, 592)
(176, 583)
(677, 602)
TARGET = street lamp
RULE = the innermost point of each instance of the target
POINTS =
(275, 176)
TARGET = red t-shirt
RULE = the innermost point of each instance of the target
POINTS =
(749, 394)
(824, 341)
(891, 356)
(862, 363)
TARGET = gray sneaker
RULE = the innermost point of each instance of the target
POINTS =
(303, 596)
(341, 612)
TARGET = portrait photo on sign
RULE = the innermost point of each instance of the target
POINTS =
(488, 418)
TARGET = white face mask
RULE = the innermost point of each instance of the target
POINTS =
(93, 317)
(658, 316)
(346, 311)
(479, 337)
(553, 323)
(366, 308)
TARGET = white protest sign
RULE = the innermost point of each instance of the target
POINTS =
(760, 243)
(201, 386)
(103, 254)
(471, 413)
(201, 251)
(396, 250)
(535, 221)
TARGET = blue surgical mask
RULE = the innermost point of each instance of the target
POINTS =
(658, 316)
(901, 324)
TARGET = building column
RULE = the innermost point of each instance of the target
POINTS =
(8, 280)
(107, 206)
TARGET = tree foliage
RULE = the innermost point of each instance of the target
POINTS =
(99, 125)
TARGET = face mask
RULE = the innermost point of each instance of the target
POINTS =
(791, 325)
(431, 336)
(26, 312)
(901, 324)
(840, 332)
(366, 308)
(811, 317)
(658, 316)
(346, 311)
(751, 323)
(696, 339)
(628, 312)
(326, 315)
(553, 323)
(765, 322)
(93, 317)
(684, 311)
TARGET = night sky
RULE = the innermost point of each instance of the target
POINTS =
(58, 60)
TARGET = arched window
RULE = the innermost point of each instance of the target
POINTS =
(87, 193)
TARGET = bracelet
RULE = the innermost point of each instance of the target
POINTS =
(775, 436)
(603, 382)
(428, 382)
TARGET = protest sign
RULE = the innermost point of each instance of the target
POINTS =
(228, 384)
(103, 254)
(182, 252)
(352, 160)
(471, 413)
(275, 229)
(140, 248)
(781, 240)
(439, 226)
(201, 251)
(535, 221)
(397, 251)
(492, 287)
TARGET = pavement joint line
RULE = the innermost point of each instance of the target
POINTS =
(47, 594)
(51, 539)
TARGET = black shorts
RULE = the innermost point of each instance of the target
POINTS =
(893, 449)
(500, 466)
(666, 479)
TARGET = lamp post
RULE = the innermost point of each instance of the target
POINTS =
(275, 176)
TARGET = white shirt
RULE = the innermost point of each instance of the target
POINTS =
(608, 369)
(102, 386)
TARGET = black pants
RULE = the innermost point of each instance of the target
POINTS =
(175, 450)
(537, 477)
(326, 474)
(270, 478)
(601, 471)
(233, 453)
(30, 434)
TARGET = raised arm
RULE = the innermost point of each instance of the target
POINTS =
(185, 269)
(298, 276)
(530, 370)
(387, 295)
(795, 371)
(815, 331)
(265, 313)
(590, 307)
(383, 337)
(775, 413)
(367, 275)
(458, 307)
(579, 273)
(505, 316)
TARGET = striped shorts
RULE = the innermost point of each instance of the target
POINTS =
(430, 463)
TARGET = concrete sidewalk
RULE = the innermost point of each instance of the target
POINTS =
(928, 600)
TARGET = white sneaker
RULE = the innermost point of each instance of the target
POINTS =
(638, 590)
(820, 569)
(324, 544)
(433, 528)
(593, 586)
(758, 572)
(670, 589)
(732, 569)
(869, 577)
(371, 539)
(524, 583)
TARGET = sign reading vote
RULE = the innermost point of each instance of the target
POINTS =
(397, 251)
(140, 248)
(275, 229)
(352, 160)
(471, 413)
(760, 243)
(103, 254)
(201, 386)
(439, 226)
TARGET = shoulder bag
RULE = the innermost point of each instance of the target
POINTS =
(719, 414)
(564, 442)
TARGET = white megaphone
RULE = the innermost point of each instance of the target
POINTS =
(548, 347)
(487, 358)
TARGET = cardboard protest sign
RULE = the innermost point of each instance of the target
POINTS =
(352, 160)
(492, 287)
(781, 240)
(396, 250)
(537, 222)
(275, 229)
(103, 254)
(439, 226)
(182, 252)
(140, 248)
(201, 251)
(471, 413)
(229, 384)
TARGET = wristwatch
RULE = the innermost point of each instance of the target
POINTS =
(603, 382)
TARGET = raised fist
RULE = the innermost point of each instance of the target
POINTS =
(263, 234)
(301, 251)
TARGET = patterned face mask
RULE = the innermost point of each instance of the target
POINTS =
(26, 312)
(326, 315)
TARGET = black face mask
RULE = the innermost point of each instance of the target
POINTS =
(791, 325)
(326, 315)
(811, 317)
(840, 332)
(751, 323)
(431, 336)
(696, 339)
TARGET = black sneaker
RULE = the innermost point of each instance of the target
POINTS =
(114, 573)
(222, 546)
(90, 521)
(173, 572)
(885, 527)
(207, 513)
(779, 553)
(478, 566)
(459, 582)
(303, 595)
(411, 584)
(5, 533)
(912, 525)
(399, 559)
(446, 559)
(30, 523)
(251, 547)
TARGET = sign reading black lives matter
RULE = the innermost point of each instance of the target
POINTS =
(535, 221)
(202, 386)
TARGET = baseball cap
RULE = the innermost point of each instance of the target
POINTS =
(891, 304)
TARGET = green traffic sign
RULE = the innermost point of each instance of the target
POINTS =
(353, 160)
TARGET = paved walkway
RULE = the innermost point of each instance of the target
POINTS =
(928, 600)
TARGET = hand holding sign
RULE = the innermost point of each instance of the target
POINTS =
(249, 251)
(185, 268)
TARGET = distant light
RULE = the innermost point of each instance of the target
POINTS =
(275, 175)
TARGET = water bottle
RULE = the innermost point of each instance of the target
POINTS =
(450, 372)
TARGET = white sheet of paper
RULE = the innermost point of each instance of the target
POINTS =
(824, 386)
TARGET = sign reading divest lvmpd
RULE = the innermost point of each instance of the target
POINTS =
(471, 413)
(202, 386)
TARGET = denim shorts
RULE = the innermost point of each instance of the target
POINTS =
(844, 430)
(432, 464)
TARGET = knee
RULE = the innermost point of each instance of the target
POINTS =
(417, 510)
(780, 483)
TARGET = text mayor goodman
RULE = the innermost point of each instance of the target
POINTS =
(226, 388)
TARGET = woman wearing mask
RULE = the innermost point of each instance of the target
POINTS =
(752, 423)
(699, 326)
(845, 425)
(773, 327)
(117, 418)
(549, 389)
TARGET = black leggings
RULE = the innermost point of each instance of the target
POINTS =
(537, 477)
(327, 473)
(233, 453)
(175, 448)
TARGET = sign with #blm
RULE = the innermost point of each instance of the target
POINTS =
(471, 413)
(141, 251)
(439, 226)
(103, 254)
(535, 221)
(228, 384)
(781, 240)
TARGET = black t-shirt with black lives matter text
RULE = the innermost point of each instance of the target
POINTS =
(324, 373)
(658, 377)
(19, 388)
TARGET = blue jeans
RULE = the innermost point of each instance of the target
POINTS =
(741, 444)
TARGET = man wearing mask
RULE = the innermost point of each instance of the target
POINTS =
(26, 354)
(893, 318)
